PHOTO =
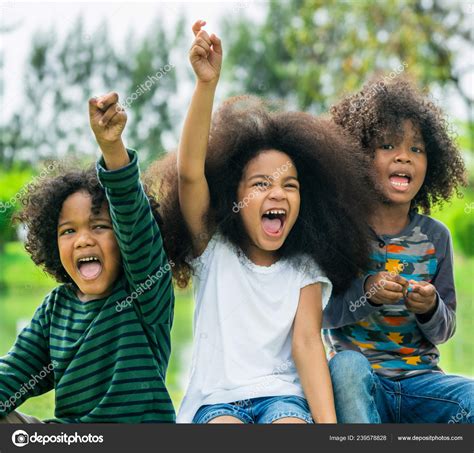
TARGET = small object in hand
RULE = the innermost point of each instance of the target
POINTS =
(410, 288)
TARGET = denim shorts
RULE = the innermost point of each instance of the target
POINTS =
(257, 410)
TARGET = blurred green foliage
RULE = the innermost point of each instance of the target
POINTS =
(465, 233)
(11, 185)
(458, 216)
(311, 52)
(62, 74)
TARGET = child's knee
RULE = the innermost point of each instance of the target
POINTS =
(349, 367)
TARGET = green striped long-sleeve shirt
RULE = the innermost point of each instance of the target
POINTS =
(107, 358)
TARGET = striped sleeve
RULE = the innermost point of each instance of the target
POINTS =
(146, 265)
(27, 369)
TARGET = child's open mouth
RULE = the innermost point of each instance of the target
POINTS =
(400, 181)
(273, 221)
(89, 267)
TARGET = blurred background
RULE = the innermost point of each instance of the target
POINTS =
(306, 53)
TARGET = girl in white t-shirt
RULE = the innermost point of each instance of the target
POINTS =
(264, 210)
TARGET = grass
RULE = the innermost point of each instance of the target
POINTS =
(27, 286)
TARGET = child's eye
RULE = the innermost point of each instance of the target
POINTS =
(261, 184)
(68, 231)
(101, 227)
(292, 186)
(415, 149)
(387, 147)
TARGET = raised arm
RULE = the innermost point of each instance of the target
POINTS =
(107, 119)
(206, 58)
(310, 357)
(139, 238)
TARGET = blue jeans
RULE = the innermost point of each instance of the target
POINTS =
(257, 410)
(361, 396)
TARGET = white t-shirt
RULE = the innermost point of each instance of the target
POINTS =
(243, 325)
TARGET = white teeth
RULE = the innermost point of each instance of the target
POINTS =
(276, 211)
(401, 184)
(89, 258)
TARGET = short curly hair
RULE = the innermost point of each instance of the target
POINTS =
(42, 206)
(331, 226)
(379, 110)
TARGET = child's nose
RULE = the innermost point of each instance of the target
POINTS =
(277, 193)
(84, 239)
(403, 155)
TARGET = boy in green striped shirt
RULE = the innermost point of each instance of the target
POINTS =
(101, 340)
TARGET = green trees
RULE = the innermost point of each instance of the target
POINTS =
(310, 52)
(62, 74)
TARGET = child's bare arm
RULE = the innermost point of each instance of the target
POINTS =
(310, 357)
(107, 119)
(206, 57)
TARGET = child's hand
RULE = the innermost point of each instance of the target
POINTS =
(421, 297)
(107, 118)
(385, 288)
(205, 54)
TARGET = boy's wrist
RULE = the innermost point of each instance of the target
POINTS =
(210, 85)
(111, 146)
(115, 154)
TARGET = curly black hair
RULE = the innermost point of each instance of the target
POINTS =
(333, 174)
(42, 206)
(379, 110)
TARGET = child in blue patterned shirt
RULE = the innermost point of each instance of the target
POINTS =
(383, 331)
